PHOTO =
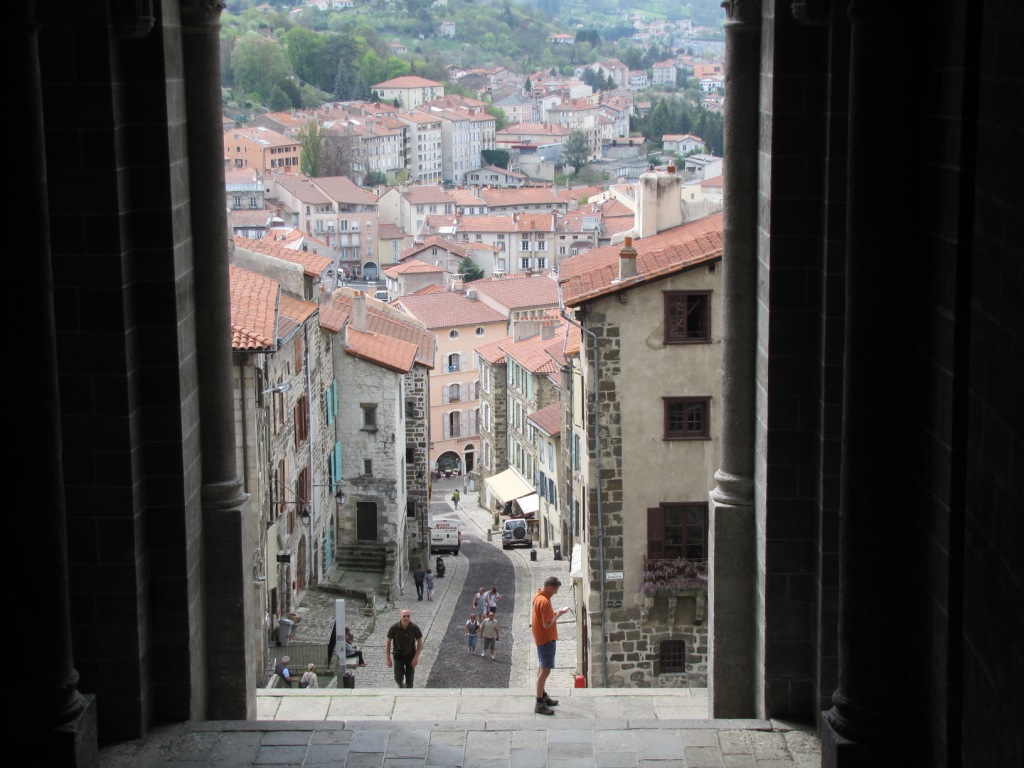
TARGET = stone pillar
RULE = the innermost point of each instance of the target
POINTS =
(228, 532)
(733, 612)
(60, 721)
(866, 725)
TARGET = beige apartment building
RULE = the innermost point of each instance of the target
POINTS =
(262, 150)
(461, 324)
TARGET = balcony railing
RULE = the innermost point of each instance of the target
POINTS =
(669, 576)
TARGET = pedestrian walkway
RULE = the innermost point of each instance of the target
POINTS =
(378, 724)
(370, 627)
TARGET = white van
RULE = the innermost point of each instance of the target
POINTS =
(445, 535)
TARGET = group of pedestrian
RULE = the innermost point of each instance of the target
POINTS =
(423, 578)
(405, 639)
(309, 678)
(485, 602)
(487, 628)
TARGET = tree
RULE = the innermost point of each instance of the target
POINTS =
(344, 155)
(311, 140)
(501, 119)
(258, 64)
(576, 150)
(305, 49)
(499, 158)
(279, 101)
(469, 270)
(375, 179)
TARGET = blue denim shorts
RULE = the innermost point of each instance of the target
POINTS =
(546, 655)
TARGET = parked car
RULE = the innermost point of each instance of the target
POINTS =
(516, 533)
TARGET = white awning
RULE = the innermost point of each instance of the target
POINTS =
(529, 504)
(507, 485)
(576, 562)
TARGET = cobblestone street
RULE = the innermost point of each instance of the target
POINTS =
(445, 661)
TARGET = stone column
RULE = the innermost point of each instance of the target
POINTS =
(228, 532)
(732, 615)
(60, 721)
(866, 725)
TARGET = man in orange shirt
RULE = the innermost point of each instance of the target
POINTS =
(543, 620)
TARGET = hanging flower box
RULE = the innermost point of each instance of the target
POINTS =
(672, 576)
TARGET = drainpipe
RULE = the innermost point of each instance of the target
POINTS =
(309, 445)
(597, 474)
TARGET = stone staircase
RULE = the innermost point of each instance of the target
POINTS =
(362, 556)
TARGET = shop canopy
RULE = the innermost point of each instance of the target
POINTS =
(507, 486)
(529, 504)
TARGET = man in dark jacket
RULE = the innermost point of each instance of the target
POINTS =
(418, 576)
(405, 641)
(282, 671)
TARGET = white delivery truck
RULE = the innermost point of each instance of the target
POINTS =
(445, 535)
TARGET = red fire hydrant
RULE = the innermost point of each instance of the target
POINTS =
(581, 681)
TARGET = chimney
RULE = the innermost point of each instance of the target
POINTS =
(359, 311)
(627, 260)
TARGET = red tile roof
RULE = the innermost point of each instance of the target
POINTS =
(253, 309)
(522, 196)
(390, 232)
(485, 223)
(407, 81)
(389, 333)
(312, 264)
(412, 267)
(595, 273)
(447, 309)
(548, 419)
(421, 195)
(519, 291)
(344, 190)
(385, 351)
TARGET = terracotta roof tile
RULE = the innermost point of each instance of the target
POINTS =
(522, 196)
(312, 264)
(519, 291)
(384, 324)
(396, 354)
(596, 272)
(549, 419)
(448, 309)
(390, 232)
(412, 267)
(485, 223)
(420, 195)
(407, 81)
(533, 354)
(254, 301)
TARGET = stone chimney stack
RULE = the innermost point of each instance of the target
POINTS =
(659, 204)
(359, 311)
(627, 260)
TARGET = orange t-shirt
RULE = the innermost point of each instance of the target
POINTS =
(542, 613)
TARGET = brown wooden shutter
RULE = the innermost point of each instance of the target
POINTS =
(655, 533)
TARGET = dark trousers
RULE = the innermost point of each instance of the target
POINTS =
(419, 590)
(357, 654)
(404, 672)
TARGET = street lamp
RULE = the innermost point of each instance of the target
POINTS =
(304, 513)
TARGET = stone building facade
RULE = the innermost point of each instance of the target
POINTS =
(656, 325)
